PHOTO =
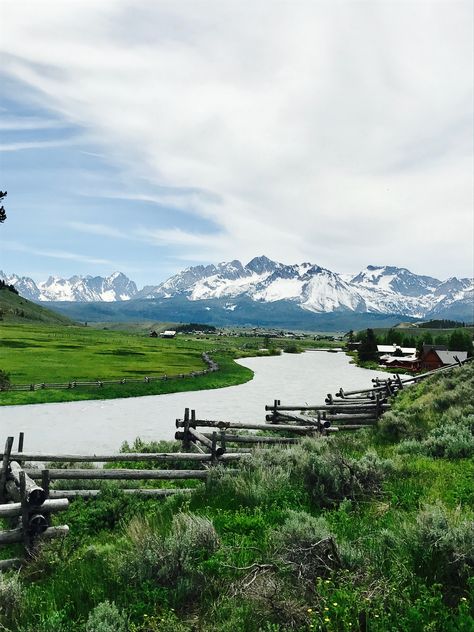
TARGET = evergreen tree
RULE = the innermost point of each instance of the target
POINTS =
(460, 340)
(3, 215)
(368, 348)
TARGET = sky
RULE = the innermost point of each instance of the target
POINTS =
(148, 136)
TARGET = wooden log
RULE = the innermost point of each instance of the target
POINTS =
(249, 426)
(13, 563)
(339, 407)
(34, 494)
(197, 436)
(231, 438)
(4, 468)
(55, 532)
(109, 458)
(102, 458)
(93, 493)
(353, 426)
(49, 506)
(120, 474)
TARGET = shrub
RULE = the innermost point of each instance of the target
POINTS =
(11, 596)
(4, 380)
(332, 477)
(166, 560)
(106, 617)
(291, 348)
(441, 546)
(266, 477)
(305, 544)
(393, 426)
(450, 440)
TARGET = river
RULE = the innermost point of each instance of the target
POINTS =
(100, 426)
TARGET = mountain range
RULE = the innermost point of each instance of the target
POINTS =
(262, 288)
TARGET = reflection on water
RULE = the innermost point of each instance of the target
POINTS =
(101, 426)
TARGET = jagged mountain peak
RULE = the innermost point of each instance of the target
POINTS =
(376, 289)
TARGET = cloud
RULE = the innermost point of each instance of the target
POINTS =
(56, 254)
(330, 131)
(21, 123)
(98, 229)
(36, 144)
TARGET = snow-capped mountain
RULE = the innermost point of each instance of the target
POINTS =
(377, 289)
(261, 283)
(116, 287)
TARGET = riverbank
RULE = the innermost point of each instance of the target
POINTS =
(367, 532)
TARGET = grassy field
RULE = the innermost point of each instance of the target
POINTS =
(32, 354)
(16, 309)
(368, 532)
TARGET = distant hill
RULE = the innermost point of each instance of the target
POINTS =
(15, 308)
(245, 313)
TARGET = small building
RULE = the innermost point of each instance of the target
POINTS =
(408, 363)
(434, 358)
(169, 333)
(153, 334)
(395, 350)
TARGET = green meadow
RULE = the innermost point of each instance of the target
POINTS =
(32, 354)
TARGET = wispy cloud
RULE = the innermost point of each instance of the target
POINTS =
(37, 144)
(98, 229)
(27, 123)
(56, 254)
(285, 128)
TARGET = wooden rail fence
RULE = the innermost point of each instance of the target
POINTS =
(205, 443)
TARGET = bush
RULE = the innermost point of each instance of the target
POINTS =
(265, 478)
(106, 617)
(4, 380)
(166, 560)
(393, 426)
(332, 477)
(11, 596)
(305, 544)
(451, 441)
(441, 546)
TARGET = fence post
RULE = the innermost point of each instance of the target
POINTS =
(4, 470)
(214, 448)
(45, 485)
(186, 439)
(25, 514)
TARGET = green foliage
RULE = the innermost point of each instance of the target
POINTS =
(106, 617)
(306, 547)
(4, 380)
(173, 558)
(12, 594)
(368, 348)
(3, 214)
(332, 476)
(441, 546)
(291, 348)
(460, 340)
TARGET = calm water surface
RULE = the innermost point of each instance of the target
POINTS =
(101, 426)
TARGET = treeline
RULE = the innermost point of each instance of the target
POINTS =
(191, 327)
(441, 324)
(10, 288)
